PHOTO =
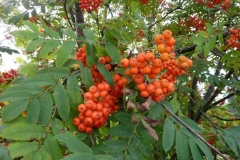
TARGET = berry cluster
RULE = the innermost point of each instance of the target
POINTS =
(155, 74)
(194, 23)
(8, 76)
(225, 4)
(90, 5)
(234, 39)
(144, 1)
(81, 55)
(100, 101)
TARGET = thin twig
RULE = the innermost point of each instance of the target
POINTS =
(195, 133)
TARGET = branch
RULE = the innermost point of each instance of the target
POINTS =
(223, 99)
(211, 87)
(191, 101)
(223, 119)
(65, 10)
(170, 11)
(79, 20)
(195, 133)
(186, 49)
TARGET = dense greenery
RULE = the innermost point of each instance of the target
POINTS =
(194, 114)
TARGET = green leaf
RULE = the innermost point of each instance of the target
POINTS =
(191, 124)
(198, 40)
(182, 147)
(168, 134)
(155, 111)
(123, 117)
(48, 47)
(113, 52)
(38, 155)
(120, 131)
(195, 151)
(70, 33)
(90, 54)
(142, 145)
(18, 149)
(62, 101)
(28, 69)
(78, 156)
(105, 73)
(89, 34)
(114, 146)
(26, 4)
(11, 95)
(73, 90)
(135, 152)
(103, 157)
(24, 131)
(52, 147)
(57, 126)
(49, 31)
(232, 144)
(8, 8)
(204, 148)
(55, 72)
(4, 154)
(212, 42)
(73, 144)
(32, 26)
(39, 80)
(34, 44)
(206, 49)
(220, 37)
(167, 105)
(46, 104)
(72, 62)
(130, 157)
(33, 111)
(87, 77)
(210, 29)
(14, 109)
(25, 35)
(34, 13)
(65, 51)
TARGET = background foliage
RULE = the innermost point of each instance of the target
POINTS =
(199, 120)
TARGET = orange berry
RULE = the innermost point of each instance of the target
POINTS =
(89, 104)
(167, 34)
(164, 83)
(189, 62)
(156, 83)
(102, 60)
(88, 96)
(183, 65)
(93, 89)
(141, 57)
(138, 79)
(164, 56)
(168, 49)
(99, 107)
(150, 88)
(103, 93)
(155, 70)
(142, 86)
(76, 121)
(81, 116)
(108, 66)
(171, 41)
(96, 95)
(170, 87)
(158, 39)
(81, 127)
(88, 129)
(158, 92)
(156, 62)
(88, 113)
(125, 63)
(142, 64)
(161, 48)
(128, 72)
(149, 56)
(182, 58)
(144, 94)
(134, 70)
(147, 70)
(133, 62)
(82, 108)
(116, 77)
(88, 121)
(152, 76)
(101, 87)
(108, 59)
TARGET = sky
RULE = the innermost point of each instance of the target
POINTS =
(8, 61)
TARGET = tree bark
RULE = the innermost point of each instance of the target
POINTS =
(79, 19)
